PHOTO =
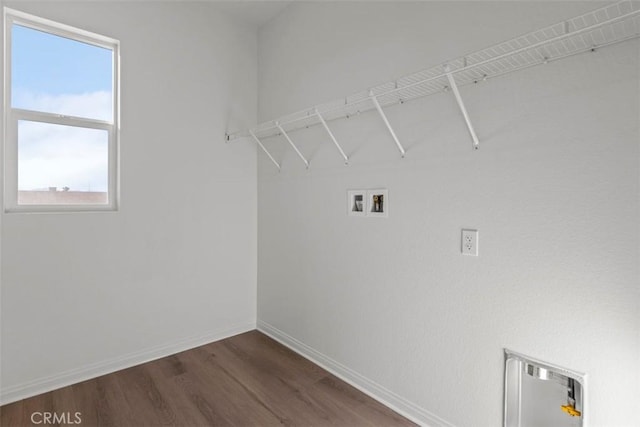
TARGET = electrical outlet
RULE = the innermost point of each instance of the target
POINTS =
(470, 242)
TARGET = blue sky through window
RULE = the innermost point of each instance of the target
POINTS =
(48, 64)
(63, 76)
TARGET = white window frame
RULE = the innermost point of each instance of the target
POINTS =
(12, 116)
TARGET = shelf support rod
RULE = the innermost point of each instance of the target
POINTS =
(255, 138)
(456, 93)
(333, 138)
(386, 122)
(292, 144)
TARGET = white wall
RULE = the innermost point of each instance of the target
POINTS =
(554, 191)
(83, 294)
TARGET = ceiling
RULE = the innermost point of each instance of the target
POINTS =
(252, 12)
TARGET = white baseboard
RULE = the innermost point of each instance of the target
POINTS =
(367, 386)
(83, 373)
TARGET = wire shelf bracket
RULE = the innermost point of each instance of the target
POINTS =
(286, 136)
(255, 138)
(333, 138)
(612, 24)
(463, 110)
(386, 122)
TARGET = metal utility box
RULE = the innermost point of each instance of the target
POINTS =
(540, 394)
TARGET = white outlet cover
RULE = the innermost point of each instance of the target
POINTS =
(469, 243)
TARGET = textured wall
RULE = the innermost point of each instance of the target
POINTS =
(554, 191)
(87, 292)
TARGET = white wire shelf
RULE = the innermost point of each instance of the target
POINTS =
(606, 26)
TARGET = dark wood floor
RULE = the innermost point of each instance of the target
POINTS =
(246, 380)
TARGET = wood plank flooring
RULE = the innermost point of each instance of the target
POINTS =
(245, 380)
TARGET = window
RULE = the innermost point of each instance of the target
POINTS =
(60, 117)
